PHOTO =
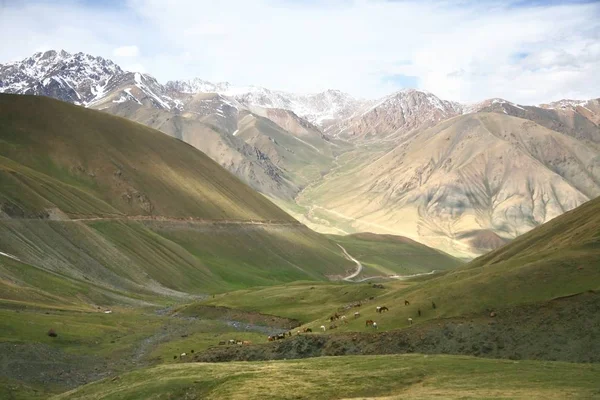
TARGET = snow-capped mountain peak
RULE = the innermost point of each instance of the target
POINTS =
(317, 108)
(78, 78)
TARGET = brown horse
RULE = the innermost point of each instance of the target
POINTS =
(369, 322)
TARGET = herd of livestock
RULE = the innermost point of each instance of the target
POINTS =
(333, 321)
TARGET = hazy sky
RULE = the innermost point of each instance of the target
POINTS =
(525, 51)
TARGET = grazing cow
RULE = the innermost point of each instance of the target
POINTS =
(182, 355)
(246, 343)
(410, 321)
(231, 341)
(306, 330)
(356, 315)
(419, 312)
(406, 302)
(343, 317)
(281, 336)
(369, 322)
(239, 343)
(108, 312)
(323, 328)
(382, 309)
(222, 343)
(374, 325)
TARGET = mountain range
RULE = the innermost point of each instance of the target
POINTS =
(463, 178)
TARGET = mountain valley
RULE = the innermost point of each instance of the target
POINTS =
(345, 165)
(187, 240)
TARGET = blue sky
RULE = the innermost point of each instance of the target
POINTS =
(525, 51)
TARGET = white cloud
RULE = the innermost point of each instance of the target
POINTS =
(464, 51)
(126, 51)
(136, 67)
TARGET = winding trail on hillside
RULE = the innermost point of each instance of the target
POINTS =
(359, 266)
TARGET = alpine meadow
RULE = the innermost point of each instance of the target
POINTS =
(272, 199)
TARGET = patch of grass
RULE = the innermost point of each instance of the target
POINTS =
(390, 255)
(107, 335)
(413, 376)
(304, 301)
(199, 337)
(15, 390)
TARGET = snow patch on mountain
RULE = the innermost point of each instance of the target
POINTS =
(316, 108)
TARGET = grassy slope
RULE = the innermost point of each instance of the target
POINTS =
(413, 376)
(304, 301)
(389, 254)
(59, 161)
(92, 344)
(109, 158)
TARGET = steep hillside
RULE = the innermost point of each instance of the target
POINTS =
(131, 168)
(204, 133)
(304, 157)
(474, 180)
(101, 199)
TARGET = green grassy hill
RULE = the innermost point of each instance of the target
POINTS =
(107, 165)
(408, 376)
(116, 205)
